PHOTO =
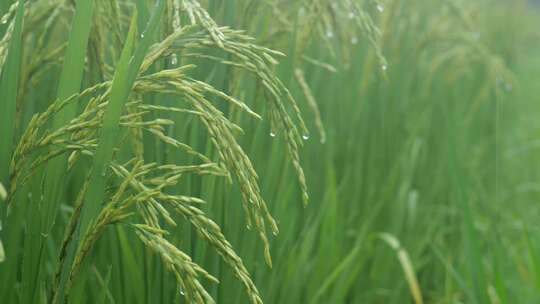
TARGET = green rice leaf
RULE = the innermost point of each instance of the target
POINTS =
(9, 84)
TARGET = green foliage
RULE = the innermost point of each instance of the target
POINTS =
(9, 85)
(158, 151)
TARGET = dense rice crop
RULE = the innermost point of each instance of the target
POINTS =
(269, 151)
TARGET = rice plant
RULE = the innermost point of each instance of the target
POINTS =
(267, 151)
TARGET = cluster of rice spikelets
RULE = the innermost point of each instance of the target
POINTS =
(136, 191)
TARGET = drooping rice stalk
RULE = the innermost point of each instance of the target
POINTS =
(95, 131)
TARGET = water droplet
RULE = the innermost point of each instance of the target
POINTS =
(4, 20)
(182, 292)
(384, 67)
(142, 35)
(354, 40)
(174, 59)
(329, 34)
(305, 137)
(351, 15)
(272, 134)
(380, 8)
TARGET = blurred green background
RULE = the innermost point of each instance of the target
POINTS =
(422, 162)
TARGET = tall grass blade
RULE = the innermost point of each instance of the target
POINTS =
(125, 75)
(44, 217)
(126, 72)
(406, 264)
(9, 85)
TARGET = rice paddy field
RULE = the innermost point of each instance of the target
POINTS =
(269, 151)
